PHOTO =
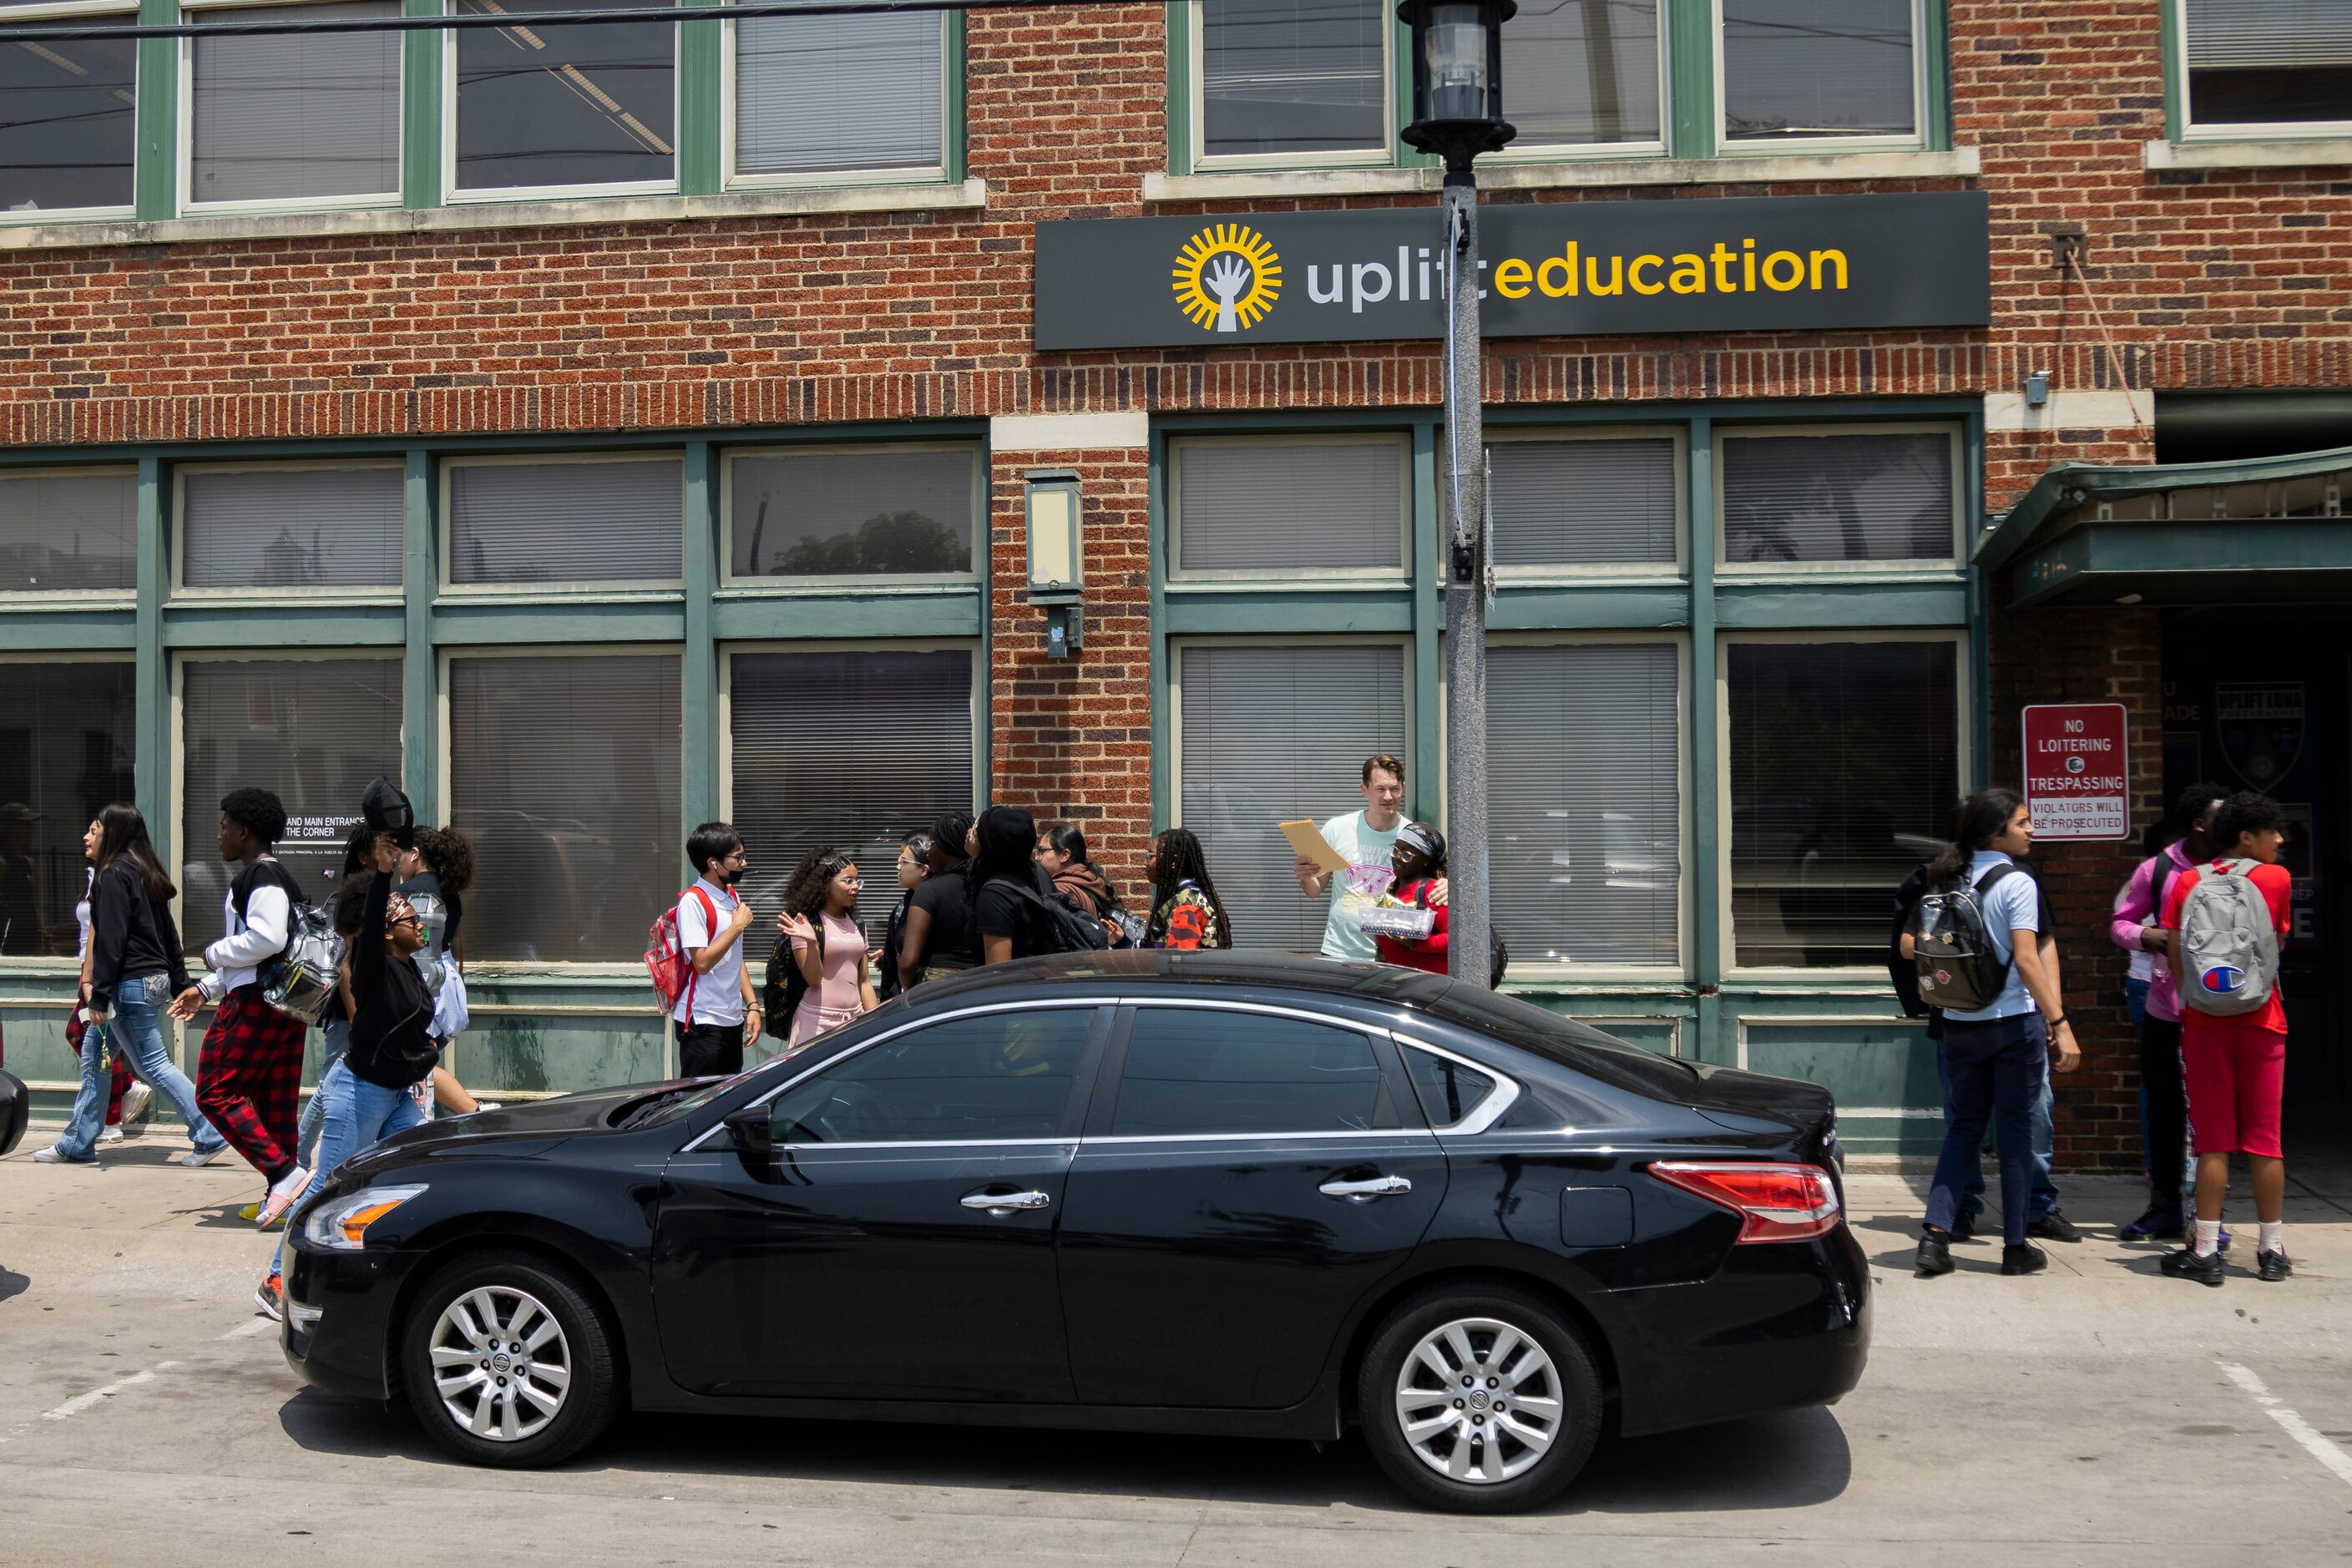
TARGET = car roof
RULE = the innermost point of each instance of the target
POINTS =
(1124, 970)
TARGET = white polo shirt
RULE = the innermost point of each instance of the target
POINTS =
(716, 998)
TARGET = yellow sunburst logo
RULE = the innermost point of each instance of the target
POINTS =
(1227, 277)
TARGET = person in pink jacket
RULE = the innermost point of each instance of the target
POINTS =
(2139, 929)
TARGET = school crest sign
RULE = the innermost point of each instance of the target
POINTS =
(1552, 269)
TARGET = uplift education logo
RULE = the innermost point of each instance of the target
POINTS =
(1227, 277)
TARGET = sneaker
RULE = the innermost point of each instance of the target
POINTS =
(2158, 1224)
(134, 1101)
(271, 1298)
(2273, 1265)
(250, 1212)
(2023, 1258)
(1935, 1256)
(53, 1155)
(1964, 1226)
(109, 1134)
(2225, 1238)
(2054, 1227)
(195, 1157)
(282, 1197)
(2186, 1264)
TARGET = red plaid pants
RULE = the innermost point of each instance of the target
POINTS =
(249, 1080)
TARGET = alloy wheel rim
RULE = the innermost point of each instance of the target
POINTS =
(1478, 1401)
(501, 1363)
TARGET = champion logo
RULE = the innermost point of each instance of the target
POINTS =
(2223, 979)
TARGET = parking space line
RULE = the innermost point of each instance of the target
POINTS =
(81, 1402)
(2296, 1428)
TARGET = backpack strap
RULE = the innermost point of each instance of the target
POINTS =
(694, 975)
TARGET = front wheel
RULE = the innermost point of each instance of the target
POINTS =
(1482, 1399)
(506, 1362)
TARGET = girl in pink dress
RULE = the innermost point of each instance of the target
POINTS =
(820, 918)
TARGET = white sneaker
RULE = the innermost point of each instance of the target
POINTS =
(282, 1197)
(195, 1157)
(52, 1155)
(109, 1134)
(134, 1101)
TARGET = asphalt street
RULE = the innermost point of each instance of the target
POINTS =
(2097, 1414)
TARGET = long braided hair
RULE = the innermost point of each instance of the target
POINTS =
(1177, 858)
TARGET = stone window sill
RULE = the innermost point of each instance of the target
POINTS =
(1761, 169)
(474, 217)
(2303, 152)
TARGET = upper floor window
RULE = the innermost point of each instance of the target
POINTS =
(900, 512)
(603, 520)
(816, 96)
(1577, 500)
(1803, 70)
(69, 117)
(298, 117)
(1586, 72)
(1810, 498)
(565, 109)
(1330, 506)
(1307, 79)
(68, 531)
(2284, 65)
(290, 525)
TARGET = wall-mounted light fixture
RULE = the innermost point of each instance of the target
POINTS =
(1057, 566)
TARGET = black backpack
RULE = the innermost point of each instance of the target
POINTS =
(1067, 928)
(1958, 966)
(1900, 971)
(783, 985)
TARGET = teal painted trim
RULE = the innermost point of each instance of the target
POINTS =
(460, 625)
(151, 766)
(2069, 486)
(1979, 649)
(1428, 609)
(1704, 959)
(535, 441)
(1599, 606)
(1180, 87)
(1732, 415)
(1400, 69)
(1690, 78)
(1164, 783)
(1935, 42)
(285, 624)
(2187, 561)
(155, 159)
(701, 102)
(420, 676)
(985, 678)
(953, 611)
(420, 115)
(698, 711)
(1194, 613)
(1876, 603)
(957, 135)
(66, 627)
(2176, 104)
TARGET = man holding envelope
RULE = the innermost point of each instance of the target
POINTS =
(1360, 841)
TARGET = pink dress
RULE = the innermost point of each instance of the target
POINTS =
(836, 1000)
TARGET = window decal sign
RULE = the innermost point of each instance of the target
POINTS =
(2077, 777)
(1547, 269)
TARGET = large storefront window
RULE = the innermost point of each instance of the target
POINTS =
(1270, 733)
(64, 752)
(802, 773)
(1843, 769)
(872, 511)
(315, 731)
(545, 520)
(299, 526)
(1573, 501)
(70, 531)
(563, 770)
(1283, 506)
(1792, 497)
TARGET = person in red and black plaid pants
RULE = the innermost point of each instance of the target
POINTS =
(249, 1074)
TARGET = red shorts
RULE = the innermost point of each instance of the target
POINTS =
(2237, 1072)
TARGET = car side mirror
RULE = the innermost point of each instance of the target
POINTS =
(754, 1136)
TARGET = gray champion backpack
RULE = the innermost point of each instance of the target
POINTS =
(2227, 944)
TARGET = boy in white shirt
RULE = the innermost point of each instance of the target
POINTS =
(718, 1014)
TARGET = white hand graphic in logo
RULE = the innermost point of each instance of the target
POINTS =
(1226, 277)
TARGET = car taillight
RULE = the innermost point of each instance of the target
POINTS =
(1774, 1202)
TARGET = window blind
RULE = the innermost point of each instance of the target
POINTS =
(1584, 809)
(1583, 71)
(1271, 507)
(68, 128)
(282, 118)
(290, 528)
(567, 523)
(1851, 497)
(563, 772)
(1293, 76)
(1818, 68)
(315, 731)
(1844, 769)
(867, 513)
(67, 736)
(839, 92)
(1273, 732)
(1583, 503)
(856, 748)
(60, 532)
(2240, 35)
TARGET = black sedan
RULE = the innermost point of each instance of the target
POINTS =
(1171, 1192)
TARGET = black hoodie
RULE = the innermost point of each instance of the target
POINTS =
(1007, 863)
(391, 1029)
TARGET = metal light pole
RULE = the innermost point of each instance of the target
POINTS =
(1457, 103)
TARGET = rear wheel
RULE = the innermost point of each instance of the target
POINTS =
(506, 1362)
(1479, 1399)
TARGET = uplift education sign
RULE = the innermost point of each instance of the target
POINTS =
(1550, 269)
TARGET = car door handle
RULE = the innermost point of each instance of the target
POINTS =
(1375, 1187)
(1006, 1203)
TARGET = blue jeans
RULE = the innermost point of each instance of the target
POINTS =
(1994, 1068)
(338, 1038)
(136, 1029)
(357, 1116)
(2044, 1199)
(2135, 1003)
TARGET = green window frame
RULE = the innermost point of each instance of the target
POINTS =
(144, 111)
(2180, 125)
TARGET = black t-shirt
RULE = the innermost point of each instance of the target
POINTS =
(1000, 910)
(947, 898)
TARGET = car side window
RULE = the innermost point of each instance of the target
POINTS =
(986, 1077)
(1198, 1070)
(1449, 1090)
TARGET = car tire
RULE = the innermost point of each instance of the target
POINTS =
(546, 1381)
(1473, 1448)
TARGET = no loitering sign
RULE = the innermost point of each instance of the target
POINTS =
(2078, 779)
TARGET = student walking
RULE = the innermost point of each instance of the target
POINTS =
(135, 966)
(127, 1098)
(1186, 913)
(2137, 927)
(938, 936)
(2225, 920)
(1995, 1055)
(1365, 837)
(1419, 860)
(335, 1023)
(249, 1074)
(828, 945)
(914, 866)
(434, 874)
(717, 1015)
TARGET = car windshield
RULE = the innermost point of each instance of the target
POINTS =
(1563, 1040)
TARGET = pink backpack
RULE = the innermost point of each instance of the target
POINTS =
(667, 961)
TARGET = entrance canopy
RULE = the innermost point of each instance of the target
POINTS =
(2268, 530)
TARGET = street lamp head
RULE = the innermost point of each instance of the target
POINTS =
(1457, 77)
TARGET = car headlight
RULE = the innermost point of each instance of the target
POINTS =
(341, 1223)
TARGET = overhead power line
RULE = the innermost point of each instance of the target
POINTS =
(79, 31)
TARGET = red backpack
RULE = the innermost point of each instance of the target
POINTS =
(667, 961)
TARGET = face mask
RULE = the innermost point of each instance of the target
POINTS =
(728, 876)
